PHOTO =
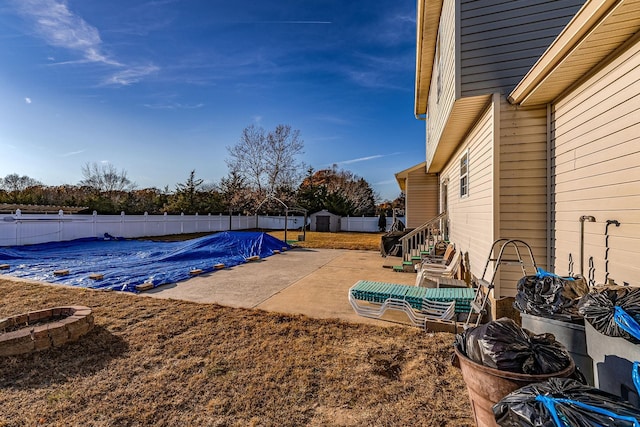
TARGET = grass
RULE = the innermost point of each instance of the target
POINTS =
(314, 239)
(152, 362)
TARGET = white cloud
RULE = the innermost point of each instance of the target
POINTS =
(333, 119)
(257, 119)
(176, 106)
(293, 22)
(72, 153)
(60, 27)
(367, 158)
(130, 75)
(360, 159)
(387, 182)
(27, 100)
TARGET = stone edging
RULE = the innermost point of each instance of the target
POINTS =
(77, 321)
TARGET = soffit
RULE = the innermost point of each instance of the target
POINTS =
(428, 19)
(463, 117)
(401, 177)
(597, 31)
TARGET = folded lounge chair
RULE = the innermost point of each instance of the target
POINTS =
(373, 299)
(443, 259)
(428, 273)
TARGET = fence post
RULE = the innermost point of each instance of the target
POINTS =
(60, 222)
(93, 223)
(144, 226)
(18, 227)
(181, 222)
(164, 228)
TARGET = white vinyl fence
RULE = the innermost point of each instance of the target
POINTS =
(26, 229)
(365, 224)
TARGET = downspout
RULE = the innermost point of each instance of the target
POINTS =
(497, 206)
(550, 212)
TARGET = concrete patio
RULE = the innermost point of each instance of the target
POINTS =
(313, 282)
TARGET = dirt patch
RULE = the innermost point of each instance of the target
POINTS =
(164, 363)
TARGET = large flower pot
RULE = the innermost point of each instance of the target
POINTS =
(487, 386)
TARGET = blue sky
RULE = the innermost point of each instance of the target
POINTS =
(159, 88)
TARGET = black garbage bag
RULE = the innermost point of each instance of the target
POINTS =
(560, 402)
(551, 296)
(502, 344)
(604, 305)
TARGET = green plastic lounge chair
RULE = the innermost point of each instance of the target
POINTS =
(374, 299)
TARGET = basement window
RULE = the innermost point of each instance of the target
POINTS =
(464, 174)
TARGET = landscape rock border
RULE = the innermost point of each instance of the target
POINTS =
(43, 329)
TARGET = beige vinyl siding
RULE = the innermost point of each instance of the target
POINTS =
(421, 198)
(523, 185)
(471, 218)
(596, 170)
(439, 108)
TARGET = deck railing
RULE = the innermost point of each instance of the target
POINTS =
(424, 238)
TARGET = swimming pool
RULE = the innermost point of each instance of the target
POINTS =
(121, 264)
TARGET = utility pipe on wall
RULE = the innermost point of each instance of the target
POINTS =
(583, 218)
(606, 245)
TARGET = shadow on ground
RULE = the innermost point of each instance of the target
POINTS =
(85, 357)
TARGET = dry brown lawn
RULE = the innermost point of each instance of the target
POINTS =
(151, 362)
(314, 239)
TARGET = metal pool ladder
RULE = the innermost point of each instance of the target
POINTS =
(479, 303)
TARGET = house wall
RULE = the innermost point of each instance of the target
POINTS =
(421, 198)
(500, 40)
(471, 218)
(507, 189)
(523, 186)
(596, 171)
(444, 71)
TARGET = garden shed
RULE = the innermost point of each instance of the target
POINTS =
(325, 221)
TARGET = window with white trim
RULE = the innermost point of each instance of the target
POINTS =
(464, 174)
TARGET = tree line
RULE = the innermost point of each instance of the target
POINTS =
(263, 167)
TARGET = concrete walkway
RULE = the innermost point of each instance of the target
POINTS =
(313, 282)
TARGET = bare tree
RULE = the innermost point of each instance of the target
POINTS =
(283, 145)
(105, 178)
(267, 161)
(15, 182)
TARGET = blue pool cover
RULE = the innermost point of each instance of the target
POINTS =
(127, 263)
